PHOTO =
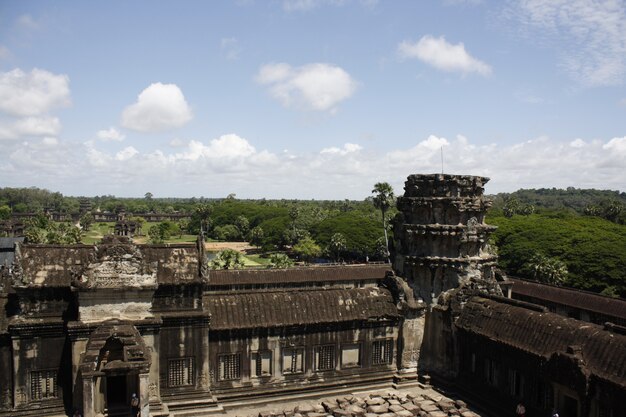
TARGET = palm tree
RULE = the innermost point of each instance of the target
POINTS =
(383, 200)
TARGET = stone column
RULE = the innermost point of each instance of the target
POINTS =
(204, 376)
(144, 394)
(89, 399)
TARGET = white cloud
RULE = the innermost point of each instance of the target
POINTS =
(318, 86)
(347, 148)
(589, 36)
(233, 164)
(442, 55)
(30, 126)
(126, 153)
(617, 145)
(230, 48)
(159, 107)
(110, 134)
(34, 93)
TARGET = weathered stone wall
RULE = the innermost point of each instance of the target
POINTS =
(246, 343)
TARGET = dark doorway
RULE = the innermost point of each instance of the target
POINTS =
(570, 406)
(117, 403)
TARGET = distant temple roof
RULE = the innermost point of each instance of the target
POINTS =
(289, 308)
(298, 275)
(543, 334)
(567, 296)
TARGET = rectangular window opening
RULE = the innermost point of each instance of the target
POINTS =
(229, 366)
(43, 384)
(261, 363)
(180, 372)
(382, 352)
(325, 358)
(293, 360)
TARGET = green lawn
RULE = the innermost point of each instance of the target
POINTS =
(98, 230)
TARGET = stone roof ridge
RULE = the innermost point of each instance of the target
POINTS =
(517, 303)
(298, 274)
(570, 296)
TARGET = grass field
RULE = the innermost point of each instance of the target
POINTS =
(98, 230)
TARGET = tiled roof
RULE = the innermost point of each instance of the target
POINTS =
(298, 275)
(566, 296)
(541, 333)
(289, 308)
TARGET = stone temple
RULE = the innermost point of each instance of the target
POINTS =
(84, 327)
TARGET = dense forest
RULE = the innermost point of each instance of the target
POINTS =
(567, 237)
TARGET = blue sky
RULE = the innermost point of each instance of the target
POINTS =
(310, 98)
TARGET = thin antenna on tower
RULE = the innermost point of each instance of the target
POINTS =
(441, 159)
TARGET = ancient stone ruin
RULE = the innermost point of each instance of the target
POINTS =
(86, 326)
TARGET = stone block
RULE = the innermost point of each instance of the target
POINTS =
(396, 407)
(376, 401)
(393, 401)
(412, 408)
(437, 413)
(378, 408)
(460, 404)
(404, 413)
(304, 408)
(429, 408)
(340, 412)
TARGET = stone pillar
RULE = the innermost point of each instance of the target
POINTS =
(89, 397)
(204, 379)
(144, 394)
(440, 248)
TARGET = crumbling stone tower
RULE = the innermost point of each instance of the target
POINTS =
(440, 239)
(441, 253)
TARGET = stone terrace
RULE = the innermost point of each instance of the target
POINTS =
(393, 403)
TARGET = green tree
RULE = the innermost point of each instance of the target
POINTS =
(148, 196)
(158, 233)
(280, 261)
(337, 245)
(203, 212)
(227, 259)
(383, 200)
(86, 220)
(511, 207)
(547, 269)
(243, 224)
(5, 212)
(307, 249)
(256, 236)
(227, 233)
(183, 226)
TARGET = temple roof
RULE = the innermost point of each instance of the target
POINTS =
(541, 333)
(567, 296)
(246, 310)
(369, 272)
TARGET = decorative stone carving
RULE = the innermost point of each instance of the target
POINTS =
(116, 265)
(153, 391)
